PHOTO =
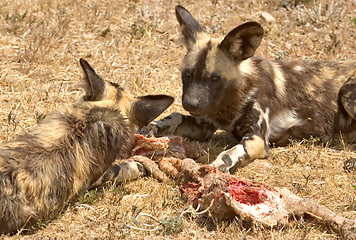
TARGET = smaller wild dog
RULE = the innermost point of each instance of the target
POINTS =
(260, 101)
(69, 150)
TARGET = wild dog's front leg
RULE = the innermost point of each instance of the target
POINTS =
(253, 127)
(183, 125)
(122, 172)
(251, 147)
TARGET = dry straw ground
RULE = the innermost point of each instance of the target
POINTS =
(133, 42)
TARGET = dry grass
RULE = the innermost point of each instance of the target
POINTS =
(133, 42)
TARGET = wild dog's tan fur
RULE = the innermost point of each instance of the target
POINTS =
(260, 101)
(69, 150)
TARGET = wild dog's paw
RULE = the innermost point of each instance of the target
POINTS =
(155, 129)
(226, 161)
(350, 165)
(150, 130)
(230, 160)
(122, 172)
(167, 125)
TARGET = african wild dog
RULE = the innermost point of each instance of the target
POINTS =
(260, 101)
(69, 150)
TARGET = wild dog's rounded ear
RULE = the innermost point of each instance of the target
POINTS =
(93, 85)
(243, 40)
(190, 27)
(147, 108)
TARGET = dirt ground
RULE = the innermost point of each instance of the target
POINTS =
(135, 43)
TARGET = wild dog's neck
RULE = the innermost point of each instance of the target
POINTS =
(240, 89)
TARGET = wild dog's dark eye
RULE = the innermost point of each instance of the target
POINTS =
(186, 73)
(214, 77)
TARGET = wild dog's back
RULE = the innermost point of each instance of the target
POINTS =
(42, 170)
(69, 150)
(302, 98)
(316, 98)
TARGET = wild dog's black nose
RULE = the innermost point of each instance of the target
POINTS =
(190, 104)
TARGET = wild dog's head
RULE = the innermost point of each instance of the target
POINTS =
(139, 110)
(211, 66)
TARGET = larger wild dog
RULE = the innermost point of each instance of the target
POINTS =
(69, 150)
(260, 101)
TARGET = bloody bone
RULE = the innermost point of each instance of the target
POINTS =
(231, 195)
(227, 196)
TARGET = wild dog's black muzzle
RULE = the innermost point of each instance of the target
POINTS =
(190, 104)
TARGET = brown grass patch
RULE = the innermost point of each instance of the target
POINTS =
(133, 42)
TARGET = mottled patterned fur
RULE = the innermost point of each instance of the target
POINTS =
(69, 150)
(260, 101)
